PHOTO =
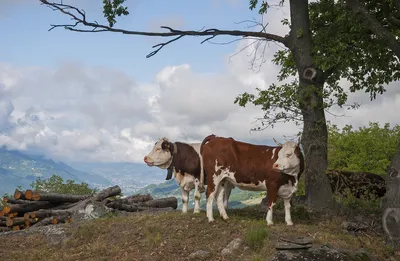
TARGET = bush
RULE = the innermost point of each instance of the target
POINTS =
(55, 184)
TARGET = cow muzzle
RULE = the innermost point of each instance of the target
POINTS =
(277, 167)
(148, 161)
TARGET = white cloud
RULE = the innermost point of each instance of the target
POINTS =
(75, 112)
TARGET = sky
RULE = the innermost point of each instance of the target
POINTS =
(96, 97)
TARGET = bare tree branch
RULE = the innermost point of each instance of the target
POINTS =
(79, 18)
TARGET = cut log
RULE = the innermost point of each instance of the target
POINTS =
(2, 213)
(135, 199)
(6, 210)
(44, 213)
(15, 221)
(33, 206)
(15, 228)
(59, 198)
(30, 221)
(2, 218)
(3, 223)
(11, 215)
(170, 202)
(46, 221)
(126, 207)
(106, 193)
(35, 196)
(68, 210)
(4, 229)
(16, 201)
(19, 194)
(28, 194)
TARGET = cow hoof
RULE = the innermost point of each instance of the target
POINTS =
(211, 221)
(196, 212)
(289, 223)
(225, 219)
(270, 224)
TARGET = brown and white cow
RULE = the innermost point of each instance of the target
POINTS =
(251, 167)
(183, 159)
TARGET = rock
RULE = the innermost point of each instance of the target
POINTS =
(199, 255)
(92, 210)
(354, 226)
(291, 246)
(297, 240)
(231, 247)
(322, 253)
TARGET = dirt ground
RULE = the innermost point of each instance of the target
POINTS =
(174, 236)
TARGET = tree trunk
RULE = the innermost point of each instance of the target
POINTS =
(391, 203)
(311, 83)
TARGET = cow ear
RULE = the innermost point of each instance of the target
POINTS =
(165, 145)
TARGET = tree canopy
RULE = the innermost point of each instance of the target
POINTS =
(366, 149)
(344, 47)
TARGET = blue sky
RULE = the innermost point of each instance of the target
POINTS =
(27, 41)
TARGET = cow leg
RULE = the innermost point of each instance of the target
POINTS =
(210, 200)
(228, 188)
(288, 217)
(196, 197)
(272, 197)
(185, 199)
(212, 192)
(220, 200)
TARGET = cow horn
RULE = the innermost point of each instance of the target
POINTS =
(277, 143)
(299, 140)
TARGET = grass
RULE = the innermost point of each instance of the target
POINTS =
(256, 235)
(174, 236)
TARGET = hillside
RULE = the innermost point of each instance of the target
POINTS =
(20, 169)
(129, 176)
(238, 198)
(163, 236)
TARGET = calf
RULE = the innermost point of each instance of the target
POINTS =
(183, 160)
(251, 167)
(358, 183)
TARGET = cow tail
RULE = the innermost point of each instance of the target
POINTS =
(207, 139)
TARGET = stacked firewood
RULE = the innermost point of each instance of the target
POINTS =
(32, 208)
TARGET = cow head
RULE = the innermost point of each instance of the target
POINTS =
(160, 155)
(288, 158)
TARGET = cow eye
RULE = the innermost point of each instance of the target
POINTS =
(158, 149)
(288, 155)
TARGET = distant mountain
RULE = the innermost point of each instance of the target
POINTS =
(238, 198)
(20, 169)
(129, 176)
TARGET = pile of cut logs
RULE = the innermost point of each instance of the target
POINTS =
(31, 208)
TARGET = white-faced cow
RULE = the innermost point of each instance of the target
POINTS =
(251, 167)
(183, 159)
